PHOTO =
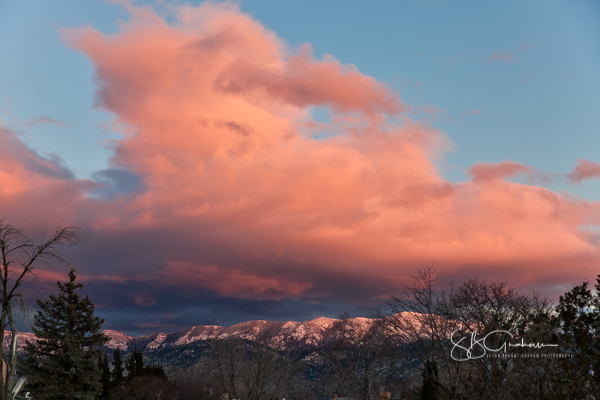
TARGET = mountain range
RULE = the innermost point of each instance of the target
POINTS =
(183, 347)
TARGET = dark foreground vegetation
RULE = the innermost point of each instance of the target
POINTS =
(478, 340)
(412, 349)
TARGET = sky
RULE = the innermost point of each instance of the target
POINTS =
(233, 161)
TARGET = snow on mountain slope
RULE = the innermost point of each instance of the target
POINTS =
(284, 334)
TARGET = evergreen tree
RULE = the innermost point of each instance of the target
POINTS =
(136, 368)
(135, 364)
(104, 367)
(578, 323)
(155, 371)
(62, 363)
(117, 371)
(19, 258)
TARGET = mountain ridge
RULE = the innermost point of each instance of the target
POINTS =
(285, 334)
(310, 332)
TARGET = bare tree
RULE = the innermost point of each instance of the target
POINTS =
(251, 370)
(194, 383)
(414, 320)
(20, 256)
(362, 360)
(147, 387)
(485, 308)
(429, 323)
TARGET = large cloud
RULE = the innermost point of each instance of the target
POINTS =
(227, 190)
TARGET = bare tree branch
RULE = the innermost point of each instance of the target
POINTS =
(20, 256)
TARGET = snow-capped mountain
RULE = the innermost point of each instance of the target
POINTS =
(186, 347)
(283, 334)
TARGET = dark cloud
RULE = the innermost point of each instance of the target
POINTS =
(116, 180)
(174, 309)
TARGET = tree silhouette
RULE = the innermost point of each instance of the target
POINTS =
(62, 363)
(20, 255)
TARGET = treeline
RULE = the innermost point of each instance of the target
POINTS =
(478, 340)
(121, 378)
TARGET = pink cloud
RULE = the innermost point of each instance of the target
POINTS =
(367, 196)
(23, 165)
(305, 81)
(51, 276)
(237, 198)
(34, 187)
(143, 300)
(232, 282)
(488, 172)
(432, 110)
(154, 325)
(501, 56)
(43, 120)
(584, 170)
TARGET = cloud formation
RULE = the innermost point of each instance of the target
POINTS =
(488, 172)
(22, 169)
(223, 189)
(501, 56)
(584, 170)
(43, 120)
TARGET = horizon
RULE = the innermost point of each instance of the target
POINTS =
(253, 160)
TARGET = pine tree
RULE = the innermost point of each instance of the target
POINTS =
(134, 364)
(104, 367)
(62, 363)
(578, 324)
(136, 368)
(117, 371)
(142, 382)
